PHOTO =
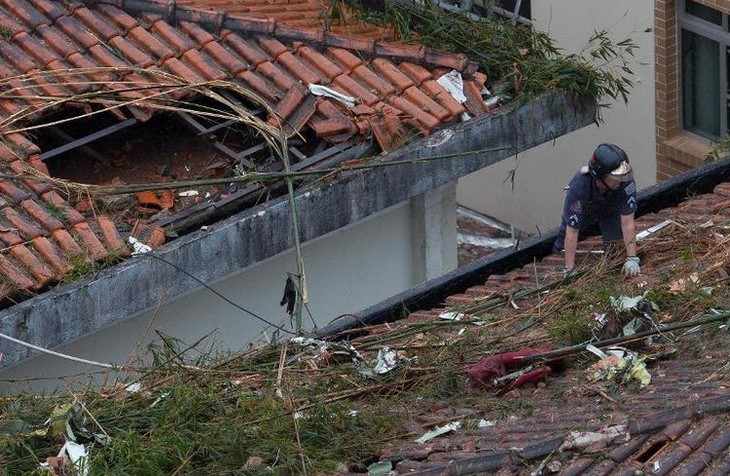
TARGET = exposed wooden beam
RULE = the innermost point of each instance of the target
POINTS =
(89, 138)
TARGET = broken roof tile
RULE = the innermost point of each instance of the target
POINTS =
(270, 56)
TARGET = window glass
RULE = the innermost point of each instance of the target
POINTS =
(700, 84)
(706, 13)
(509, 5)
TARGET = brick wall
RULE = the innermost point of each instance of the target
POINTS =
(677, 150)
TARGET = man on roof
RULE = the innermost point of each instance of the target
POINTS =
(602, 192)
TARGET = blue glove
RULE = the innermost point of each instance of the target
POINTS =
(632, 266)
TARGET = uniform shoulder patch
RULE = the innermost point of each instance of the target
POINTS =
(576, 207)
(630, 188)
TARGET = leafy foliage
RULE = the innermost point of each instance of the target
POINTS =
(519, 61)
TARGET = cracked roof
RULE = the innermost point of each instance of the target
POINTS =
(568, 423)
(108, 44)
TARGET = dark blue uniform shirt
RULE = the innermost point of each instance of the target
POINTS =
(585, 205)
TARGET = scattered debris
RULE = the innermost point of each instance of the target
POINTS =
(138, 246)
(493, 370)
(319, 90)
(595, 441)
(619, 365)
(438, 431)
(381, 468)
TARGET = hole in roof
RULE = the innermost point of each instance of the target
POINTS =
(650, 452)
(105, 149)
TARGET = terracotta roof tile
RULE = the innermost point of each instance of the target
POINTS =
(89, 241)
(415, 72)
(260, 86)
(26, 228)
(369, 77)
(16, 57)
(134, 55)
(248, 51)
(26, 14)
(326, 67)
(51, 254)
(56, 41)
(67, 244)
(40, 53)
(148, 42)
(77, 32)
(278, 76)
(173, 37)
(9, 189)
(196, 33)
(14, 275)
(425, 119)
(353, 88)
(62, 207)
(41, 215)
(100, 27)
(298, 69)
(345, 59)
(200, 64)
(111, 235)
(117, 17)
(274, 58)
(35, 267)
(224, 58)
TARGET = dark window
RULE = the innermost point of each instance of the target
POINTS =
(706, 13)
(700, 84)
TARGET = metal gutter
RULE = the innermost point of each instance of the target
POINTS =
(697, 181)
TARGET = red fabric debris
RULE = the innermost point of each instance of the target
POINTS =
(492, 367)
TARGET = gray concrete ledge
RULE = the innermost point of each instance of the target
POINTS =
(69, 312)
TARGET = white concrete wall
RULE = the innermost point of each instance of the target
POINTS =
(347, 271)
(541, 173)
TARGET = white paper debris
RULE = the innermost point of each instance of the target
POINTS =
(486, 423)
(188, 193)
(138, 246)
(387, 360)
(133, 387)
(439, 430)
(451, 315)
(319, 90)
(454, 84)
(78, 455)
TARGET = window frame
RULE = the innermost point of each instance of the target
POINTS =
(718, 33)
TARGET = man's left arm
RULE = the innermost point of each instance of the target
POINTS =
(628, 229)
(632, 265)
